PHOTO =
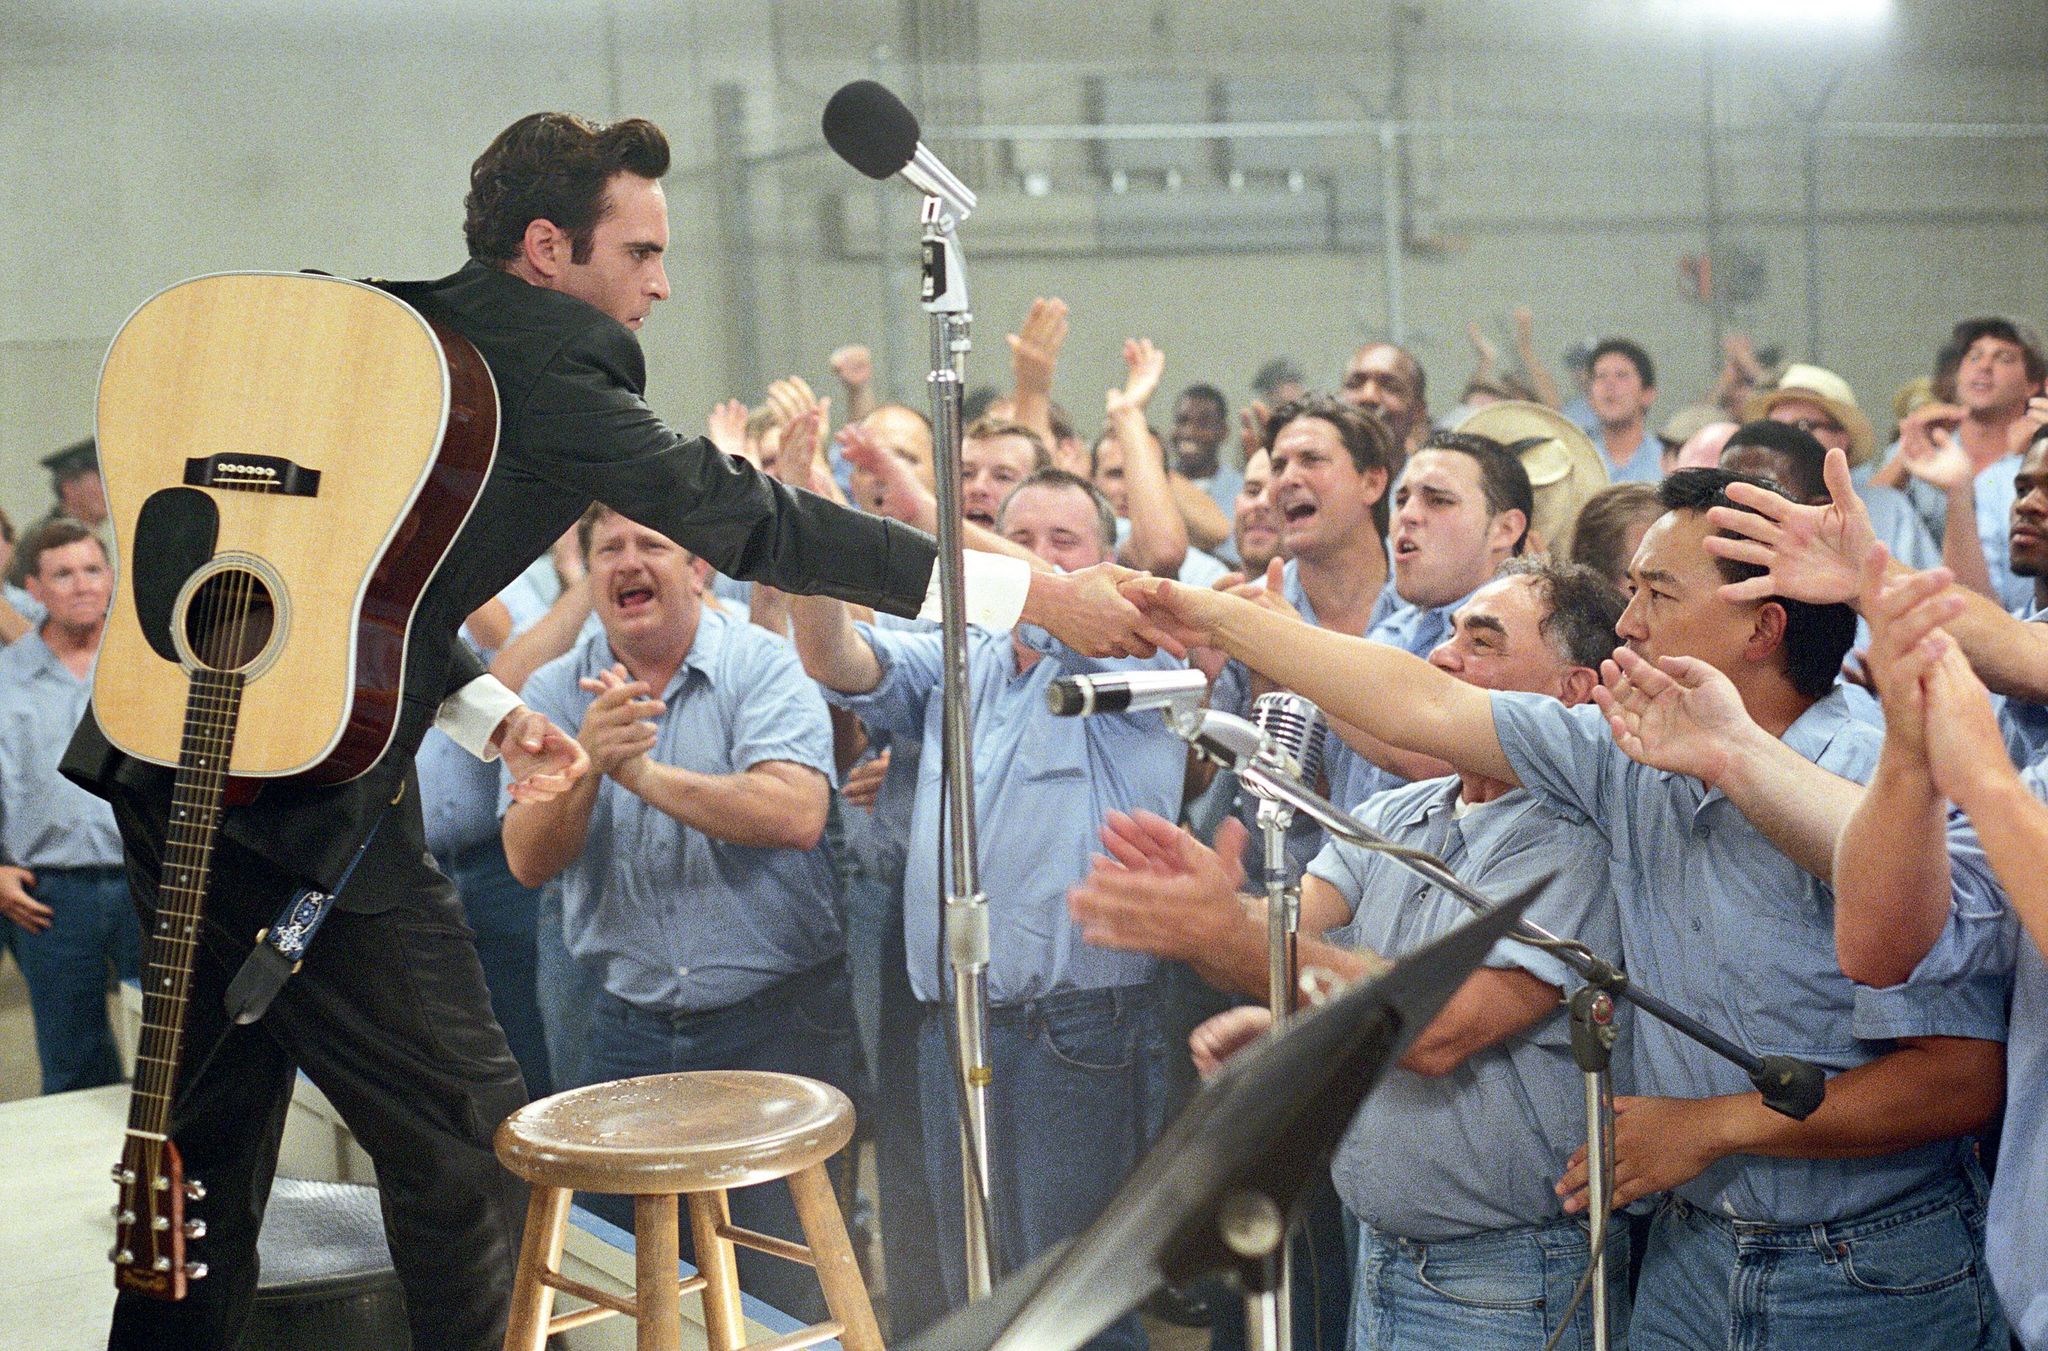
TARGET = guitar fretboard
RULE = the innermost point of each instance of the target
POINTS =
(196, 798)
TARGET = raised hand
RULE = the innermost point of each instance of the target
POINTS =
(2021, 433)
(1483, 347)
(1036, 351)
(797, 463)
(789, 397)
(1678, 714)
(1929, 449)
(1176, 898)
(619, 727)
(1813, 553)
(1969, 756)
(727, 428)
(1906, 639)
(1143, 364)
(1251, 428)
(903, 497)
(545, 761)
(854, 366)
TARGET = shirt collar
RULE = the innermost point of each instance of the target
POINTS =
(713, 629)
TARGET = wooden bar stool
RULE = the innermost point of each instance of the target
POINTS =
(695, 1135)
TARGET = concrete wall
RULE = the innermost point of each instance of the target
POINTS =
(145, 141)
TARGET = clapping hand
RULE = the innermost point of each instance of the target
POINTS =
(543, 759)
(618, 728)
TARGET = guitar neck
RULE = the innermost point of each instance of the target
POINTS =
(197, 796)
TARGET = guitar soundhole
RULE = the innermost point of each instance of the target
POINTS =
(229, 620)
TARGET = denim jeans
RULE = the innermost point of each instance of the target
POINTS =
(1067, 1118)
(92, 930)
(1503, 1291)
(565, 990)
(505, 916)
(802, 1024)
(1908, 1276)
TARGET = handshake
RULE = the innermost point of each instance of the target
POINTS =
(1113, 611)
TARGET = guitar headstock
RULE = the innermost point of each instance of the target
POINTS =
(152, 1236)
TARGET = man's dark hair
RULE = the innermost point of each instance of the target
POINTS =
(1817, 637)
(1637, 357)
(1604, 524)
(1105, 514)
(1970, 330)
(54, 534)
(1210, 395)
(553, 167)
(1366, 438)
(1804, 456)
(1583, 608)
(1501, 474)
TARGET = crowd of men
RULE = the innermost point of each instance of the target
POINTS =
(1559, 647)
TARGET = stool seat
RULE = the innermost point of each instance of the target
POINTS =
(697, 1131)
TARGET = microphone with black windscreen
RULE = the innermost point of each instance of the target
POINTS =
(869, 128)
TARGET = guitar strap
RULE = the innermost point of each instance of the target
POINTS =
(282, 947)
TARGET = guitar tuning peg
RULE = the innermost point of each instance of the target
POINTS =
(195, 1190)
(120, 1256)
(195, 1271)
(195, 1229)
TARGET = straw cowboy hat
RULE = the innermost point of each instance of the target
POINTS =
(1563, 466)
(1817, 384)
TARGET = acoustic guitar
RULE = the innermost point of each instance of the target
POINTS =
(288, 457)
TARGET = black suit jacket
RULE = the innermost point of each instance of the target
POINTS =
(573, 429)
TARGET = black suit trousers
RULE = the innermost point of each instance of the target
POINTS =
(390, 1017)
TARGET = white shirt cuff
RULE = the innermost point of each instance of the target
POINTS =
(472, 713)
(997, 586)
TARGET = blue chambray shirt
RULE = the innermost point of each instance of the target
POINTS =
(1995, 493)
(1984, 937)
(1645, 466)
(1042, 786)
(1719, 923)
(676, 921)
(1479, 1149)
(46, 821)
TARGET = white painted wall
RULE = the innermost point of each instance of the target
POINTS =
(147, 140)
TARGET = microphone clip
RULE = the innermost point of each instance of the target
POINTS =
(944, 288)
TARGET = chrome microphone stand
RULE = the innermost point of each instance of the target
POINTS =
(966, 909)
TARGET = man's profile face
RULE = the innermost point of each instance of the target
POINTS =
(1993, 377)
(2029, 537)
(1324, 501)
(624, 274)
(642, 583)
(1109, 473)
(1497, 641)
(1441, 536)
(989, 467)
(74, 583)
(1675, 607)
(1381, 378)
(1057, 522)
(1618, 394)
(1255, 527)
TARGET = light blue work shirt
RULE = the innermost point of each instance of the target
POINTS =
(1197, 569)
(1042, 786)
(2025, 724)
(458, 792)
(1479, 1149)
(676, 921)
(1983, 934)
(1995, 493)
(25, 605)
(1899, 527)
(46, 821)
(879, 838)
(1720, 924)
(1351, 777)
(1645, 466)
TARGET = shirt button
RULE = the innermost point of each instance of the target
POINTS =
(1696, 925)
(682, 971)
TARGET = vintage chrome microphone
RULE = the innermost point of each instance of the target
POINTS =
(871, 130)
(1124, 692)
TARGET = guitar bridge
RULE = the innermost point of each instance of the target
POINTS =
(253, 474)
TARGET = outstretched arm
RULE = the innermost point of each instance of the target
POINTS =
(1400, 699)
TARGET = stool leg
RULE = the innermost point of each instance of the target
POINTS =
(540, 1253)
(838, 1273)
(724, 1329)
(655, 1247)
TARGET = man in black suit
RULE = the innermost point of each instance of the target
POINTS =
(389, 1014)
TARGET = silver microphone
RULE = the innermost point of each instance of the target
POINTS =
(1295, 728)
(1124, 692)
